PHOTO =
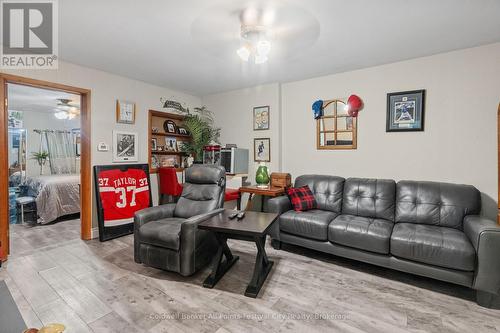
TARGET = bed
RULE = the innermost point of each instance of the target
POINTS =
(55, 195)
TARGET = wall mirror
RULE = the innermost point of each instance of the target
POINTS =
(336, 129)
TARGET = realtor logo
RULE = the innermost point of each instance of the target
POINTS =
(29, 34)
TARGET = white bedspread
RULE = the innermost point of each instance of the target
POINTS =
(56, 195)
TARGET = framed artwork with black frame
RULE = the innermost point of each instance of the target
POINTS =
(261, 118)
(405, 111)
(262, 150)
(121, 190)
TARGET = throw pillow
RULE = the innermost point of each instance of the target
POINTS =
(302, 198)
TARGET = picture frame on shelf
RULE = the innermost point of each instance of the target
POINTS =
(155, 163)
(170, 127)
(125, 146)
(405, 111)
(262, 149)
(125, 112)
(154, 144)
(261, 118)
(182, 131)
(170, 143)
(180, 146)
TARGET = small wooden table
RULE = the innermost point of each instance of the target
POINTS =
(252, 228)
(263, 192)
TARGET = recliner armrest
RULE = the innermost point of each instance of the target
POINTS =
(484, 235)
(153, 214)
(278, 205)
(190, 239)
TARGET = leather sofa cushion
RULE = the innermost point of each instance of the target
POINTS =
(361, 232)
(369, 197)
(440, 204)
(163, 233)
(439, 246)
(327, 190)
(310, 224)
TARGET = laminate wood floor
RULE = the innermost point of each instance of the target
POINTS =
(96, 287)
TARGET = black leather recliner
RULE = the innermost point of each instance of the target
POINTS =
(167, 236)
(426, 228)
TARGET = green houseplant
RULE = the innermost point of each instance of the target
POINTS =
(41, 157)
(200, 124)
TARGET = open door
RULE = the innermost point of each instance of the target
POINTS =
(85, 156)
(4, 167)
(498, 163)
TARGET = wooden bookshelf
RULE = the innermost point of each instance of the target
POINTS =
(157, 120)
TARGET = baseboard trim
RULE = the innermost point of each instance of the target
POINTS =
(95, 233)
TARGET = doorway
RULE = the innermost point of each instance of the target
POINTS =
(28, 153)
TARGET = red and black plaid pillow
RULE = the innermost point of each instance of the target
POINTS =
(302, 198)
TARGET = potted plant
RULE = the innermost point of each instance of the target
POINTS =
(200, 124)
(41, 157)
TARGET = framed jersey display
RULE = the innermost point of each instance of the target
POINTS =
(121, 190)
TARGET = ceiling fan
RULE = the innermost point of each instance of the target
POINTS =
(67, 109)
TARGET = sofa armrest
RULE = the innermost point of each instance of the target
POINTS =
(278, 205)
(191, 238)
(153, 214)
(484, 235)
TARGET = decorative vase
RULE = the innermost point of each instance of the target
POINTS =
(262, 177)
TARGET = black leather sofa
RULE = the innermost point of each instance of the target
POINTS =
(426, 228)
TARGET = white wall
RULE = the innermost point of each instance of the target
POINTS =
(106, 89)
(459, 143)
(234, 114)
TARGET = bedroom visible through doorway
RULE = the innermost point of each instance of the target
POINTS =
(44, 154)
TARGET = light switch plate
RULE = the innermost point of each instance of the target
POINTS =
(102, 146)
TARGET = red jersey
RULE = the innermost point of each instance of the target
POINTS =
(122, 194)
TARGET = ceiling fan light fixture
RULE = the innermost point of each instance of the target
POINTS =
(61, 115)
(256, 43)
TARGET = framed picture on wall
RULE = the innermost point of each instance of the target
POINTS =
(261, 118)
(125, 112)
(115, 213)
(125, 146)
(262, 150)
(405, 111)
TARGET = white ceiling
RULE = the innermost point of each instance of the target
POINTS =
(25, 98)
(190, 45)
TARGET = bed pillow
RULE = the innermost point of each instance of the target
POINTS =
(302, 198)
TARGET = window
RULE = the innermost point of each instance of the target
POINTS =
(336, 129)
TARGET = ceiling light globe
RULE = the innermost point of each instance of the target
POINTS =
(61, 115)
(244, 53)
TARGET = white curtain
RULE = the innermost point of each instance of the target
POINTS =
(62, 152)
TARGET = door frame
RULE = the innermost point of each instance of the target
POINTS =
(85, 157)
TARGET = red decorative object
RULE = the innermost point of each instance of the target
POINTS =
(169, 184)
(231, 194)
(302, 198)
(121, 190)
(354, 104)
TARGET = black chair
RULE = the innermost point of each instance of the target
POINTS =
(167, 236)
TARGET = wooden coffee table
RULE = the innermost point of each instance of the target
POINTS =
(252, 228)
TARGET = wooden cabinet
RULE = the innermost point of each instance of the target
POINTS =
(164, 147)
